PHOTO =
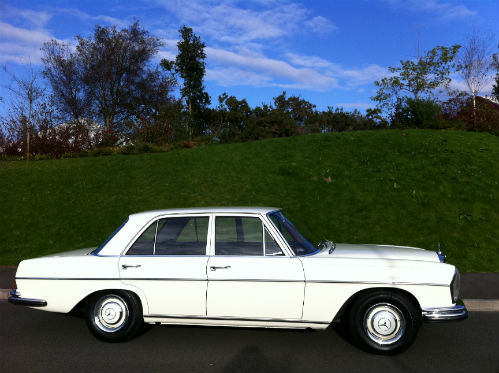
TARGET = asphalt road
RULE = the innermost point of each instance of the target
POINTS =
(37, 341)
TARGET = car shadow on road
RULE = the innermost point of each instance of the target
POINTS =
(251, 359)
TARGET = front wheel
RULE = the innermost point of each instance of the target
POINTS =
(384, 322)
(115, 316)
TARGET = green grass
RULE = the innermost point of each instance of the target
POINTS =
(410, 187)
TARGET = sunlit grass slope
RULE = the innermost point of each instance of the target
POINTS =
(412, 188)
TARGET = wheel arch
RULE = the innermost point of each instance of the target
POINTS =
(351, 300)
(82, 304)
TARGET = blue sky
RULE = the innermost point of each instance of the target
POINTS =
(329, 52)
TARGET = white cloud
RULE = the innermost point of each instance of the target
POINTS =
(439, 9)
(254, 67)
(230, 76)
(21, 45)
(320, 25)
(457, 83)
(236, 22)
(308, 61)
(356, 105)
(166, 54)
(33, 18)
(350, 77)
(91, 18)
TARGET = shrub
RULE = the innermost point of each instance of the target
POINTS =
(418, 113)
(101, 151)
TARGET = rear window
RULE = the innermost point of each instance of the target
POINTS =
(96, 251)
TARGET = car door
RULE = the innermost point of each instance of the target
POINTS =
(249, 275)
(168, 263)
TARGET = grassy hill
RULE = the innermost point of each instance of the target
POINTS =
(410, 187)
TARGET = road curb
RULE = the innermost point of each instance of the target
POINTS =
(4, 294)
(482, 305)
(479, 305)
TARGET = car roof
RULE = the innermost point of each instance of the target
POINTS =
(121, 238)
(207, 210)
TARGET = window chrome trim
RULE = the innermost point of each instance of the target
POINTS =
(155, 238)
(157, 219)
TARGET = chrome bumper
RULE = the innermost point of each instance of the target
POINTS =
(16, 299)
(454, 313)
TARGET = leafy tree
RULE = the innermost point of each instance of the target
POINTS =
(231, 118)
(299, 109)
(267, 121)
(191, 67)
(418, 78)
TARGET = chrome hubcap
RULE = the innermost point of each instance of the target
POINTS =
(384, 323)
(110, 313)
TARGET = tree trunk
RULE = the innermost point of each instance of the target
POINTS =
(28, 127)
(189, 127)
(27, 143)
(474, 110)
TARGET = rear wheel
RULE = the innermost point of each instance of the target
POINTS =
(384, 322)
(114, 316)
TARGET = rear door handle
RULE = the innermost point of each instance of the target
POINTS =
(213, 268)
(125, 266)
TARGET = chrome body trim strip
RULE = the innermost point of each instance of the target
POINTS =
(230, 279)
(109, 279)
(15, 298)
(227, 318)
(438, 314)
(373, 282)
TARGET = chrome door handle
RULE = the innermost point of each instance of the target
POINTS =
(125, 266)
(213, 268)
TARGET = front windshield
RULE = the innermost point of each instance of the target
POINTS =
(299, 244)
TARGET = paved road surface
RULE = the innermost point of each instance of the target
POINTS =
(37, 341)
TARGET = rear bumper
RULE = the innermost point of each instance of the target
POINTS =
(454, 313)
(16, 299)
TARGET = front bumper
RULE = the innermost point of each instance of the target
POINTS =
(454, 313)
(16, 299)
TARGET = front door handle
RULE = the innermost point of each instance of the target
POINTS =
(213, 268)
(125, 266)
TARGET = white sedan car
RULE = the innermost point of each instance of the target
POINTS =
(247, 267)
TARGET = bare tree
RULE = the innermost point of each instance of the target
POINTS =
(476, 65)
(114, 63)
(64, 72)
(27, 92)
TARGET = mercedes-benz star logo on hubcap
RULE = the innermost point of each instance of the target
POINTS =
(384, 324)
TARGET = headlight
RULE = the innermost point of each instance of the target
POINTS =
(455, 286)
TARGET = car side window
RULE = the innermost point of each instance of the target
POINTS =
(182, 236)
(272, 248)
(144, 245)
(238, 235)
(173, 236)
